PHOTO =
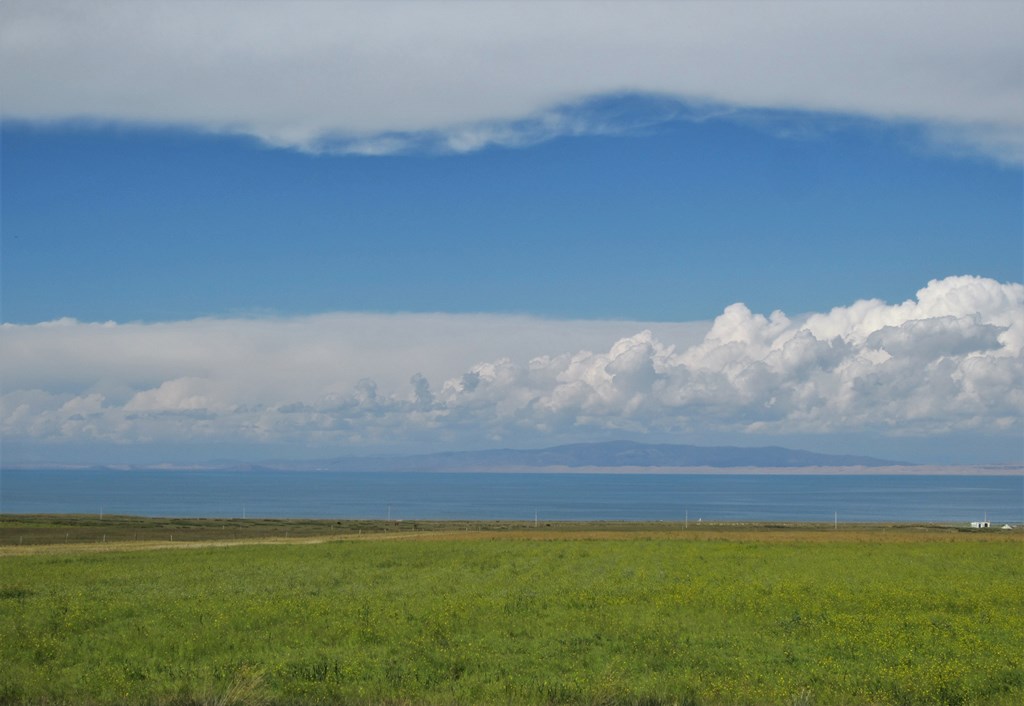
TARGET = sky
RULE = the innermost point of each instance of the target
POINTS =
(301, 230)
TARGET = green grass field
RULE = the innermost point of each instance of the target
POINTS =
(726, 616)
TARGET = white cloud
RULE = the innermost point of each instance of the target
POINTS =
(382, 77)
(949, 361)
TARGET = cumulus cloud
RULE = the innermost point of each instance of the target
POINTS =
(951, 360)
(383, 77)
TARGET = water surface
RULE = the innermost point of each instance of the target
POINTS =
(354, 495)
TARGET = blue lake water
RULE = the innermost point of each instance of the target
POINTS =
(331, 495)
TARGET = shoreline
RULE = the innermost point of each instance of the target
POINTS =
(29, 533)
(901, 470)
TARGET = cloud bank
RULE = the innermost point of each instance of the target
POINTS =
(950, 361)
(384, 77)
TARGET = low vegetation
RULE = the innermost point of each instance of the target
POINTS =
(598, 615)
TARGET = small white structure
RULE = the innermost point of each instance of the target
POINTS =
(984, 524)
(1006, 527)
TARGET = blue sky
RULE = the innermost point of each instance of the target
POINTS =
(500, 254)
(674, 223)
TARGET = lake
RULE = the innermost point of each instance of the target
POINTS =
(514, 496)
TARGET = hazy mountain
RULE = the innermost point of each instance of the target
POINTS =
(608, 454)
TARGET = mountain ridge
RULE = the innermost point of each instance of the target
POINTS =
(607, 454)
(594, 455)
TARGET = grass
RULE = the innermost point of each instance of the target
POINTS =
(78, 530)
(594, 615)
(28, 530)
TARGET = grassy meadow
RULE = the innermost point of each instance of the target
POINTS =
(495, 616)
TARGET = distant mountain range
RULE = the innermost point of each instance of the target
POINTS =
(610, 454)
(597, 456)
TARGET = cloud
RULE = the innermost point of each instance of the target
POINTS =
(378, 78)
(949, 361)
